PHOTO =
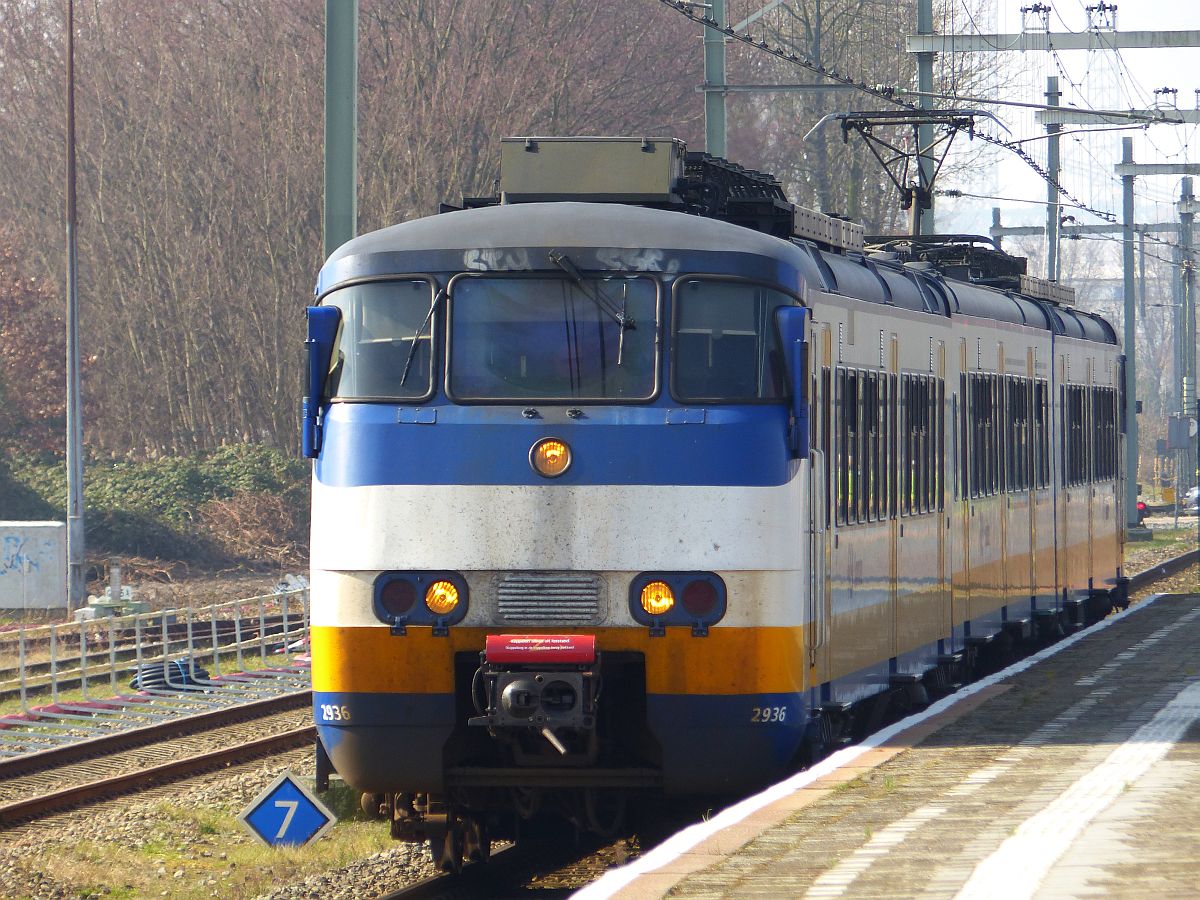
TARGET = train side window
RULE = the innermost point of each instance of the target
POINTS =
(995, 454)
(906, 446)
(921, 441)
(879, 495)
(866, 432)
(893, 432)
(964, 432)
(1041, 435)
(940, 406)
(847, 439)
(826, 433)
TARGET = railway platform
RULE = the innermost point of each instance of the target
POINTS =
(1075, 773)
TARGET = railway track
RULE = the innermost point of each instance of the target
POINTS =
(67, 777)
(1164, 569)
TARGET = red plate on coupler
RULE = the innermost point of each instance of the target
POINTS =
(534, 649)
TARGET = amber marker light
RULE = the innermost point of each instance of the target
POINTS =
(441, 598)
(657, 598)
(550, 457)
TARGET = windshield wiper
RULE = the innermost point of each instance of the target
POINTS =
(412, 350)
(603, 303)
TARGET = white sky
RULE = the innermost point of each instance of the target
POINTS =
(1088, 79)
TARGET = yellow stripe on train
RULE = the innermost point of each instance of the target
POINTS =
(727, 661)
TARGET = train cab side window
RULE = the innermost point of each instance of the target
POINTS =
(726, 348)
(384, 348)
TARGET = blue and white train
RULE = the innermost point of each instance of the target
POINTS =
(637, 478)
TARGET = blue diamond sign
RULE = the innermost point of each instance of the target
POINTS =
(286, 814)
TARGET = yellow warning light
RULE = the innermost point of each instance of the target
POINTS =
(657, 598)
(441, 598)
(550, 457)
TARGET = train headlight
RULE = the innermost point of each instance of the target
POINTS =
(442, 598)
(657, 598)
(398, 596)
(550, 457)
(693, 600)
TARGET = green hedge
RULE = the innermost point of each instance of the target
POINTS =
(154, 508)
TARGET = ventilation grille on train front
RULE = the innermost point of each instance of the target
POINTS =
(550, 598)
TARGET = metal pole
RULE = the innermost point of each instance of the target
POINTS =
(714, 76)
(1052, 166)
(1188, 391)
(1131, 429)
(75, 546)
(341, 122)
(925, 132)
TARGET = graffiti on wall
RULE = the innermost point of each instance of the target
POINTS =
(13, 557)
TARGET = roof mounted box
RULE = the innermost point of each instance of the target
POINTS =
(1047, 290)
(595, 169)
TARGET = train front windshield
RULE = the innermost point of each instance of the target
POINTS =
(515, 338)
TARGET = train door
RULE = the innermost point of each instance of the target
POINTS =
(819, 505)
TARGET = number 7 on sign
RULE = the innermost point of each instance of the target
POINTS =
(287, 819)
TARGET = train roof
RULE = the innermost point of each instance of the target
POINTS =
(541, 227)
(567, 225)
(460, 240)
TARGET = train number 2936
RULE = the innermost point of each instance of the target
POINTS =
(332, 713)
(768, 713)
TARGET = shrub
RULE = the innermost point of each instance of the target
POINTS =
(237, 504)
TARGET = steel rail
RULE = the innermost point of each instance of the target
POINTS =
(184, 726)
(1162, 570)
(131, 782)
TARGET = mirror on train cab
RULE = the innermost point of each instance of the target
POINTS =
(792, 322)
(323, 324)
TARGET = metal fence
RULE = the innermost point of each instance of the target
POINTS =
(72, 681)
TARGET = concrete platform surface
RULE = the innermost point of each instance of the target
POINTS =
(1073, 774)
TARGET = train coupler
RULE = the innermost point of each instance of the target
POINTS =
(538, 693)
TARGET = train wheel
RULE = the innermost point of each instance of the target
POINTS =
(446, 849)
(605, 811)
(372, 805)
(477, 846)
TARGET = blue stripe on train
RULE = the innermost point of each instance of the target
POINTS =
(743, 445)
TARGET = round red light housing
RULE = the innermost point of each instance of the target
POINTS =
(397, 598)
(699, 598)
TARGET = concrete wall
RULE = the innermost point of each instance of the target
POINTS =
(33, 565)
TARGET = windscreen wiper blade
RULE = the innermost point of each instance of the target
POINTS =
(412, 350)
(618, 315)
